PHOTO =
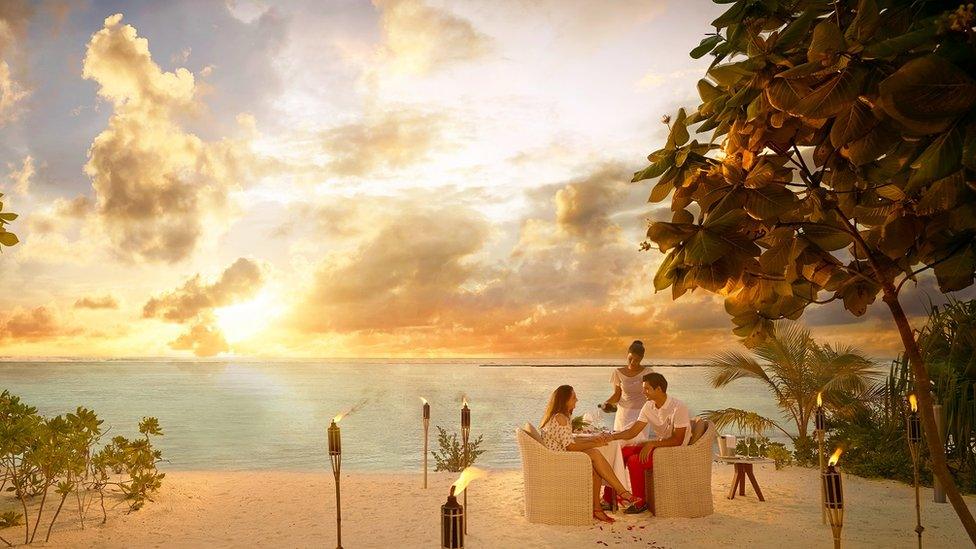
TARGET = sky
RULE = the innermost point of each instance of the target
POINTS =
(350, 179)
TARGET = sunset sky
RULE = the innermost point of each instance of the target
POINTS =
(349, 178)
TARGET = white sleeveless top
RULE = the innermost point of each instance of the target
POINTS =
(631, 388)
(557, 437)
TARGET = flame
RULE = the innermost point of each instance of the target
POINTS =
(913, 402)
(820, 399)
(355, 408)
(464, 401)
(466, 477)
(835, 457)
(424, 400)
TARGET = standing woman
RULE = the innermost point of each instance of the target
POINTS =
(628, 392)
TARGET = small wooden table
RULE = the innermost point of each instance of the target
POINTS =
(743, 468)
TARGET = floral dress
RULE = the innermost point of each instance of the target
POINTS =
(556, 436)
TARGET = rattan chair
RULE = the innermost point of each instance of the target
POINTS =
(558, 485)
(680, 483)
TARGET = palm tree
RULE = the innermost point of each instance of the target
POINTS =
(795, 368)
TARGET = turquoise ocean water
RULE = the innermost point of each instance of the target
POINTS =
(245, 415)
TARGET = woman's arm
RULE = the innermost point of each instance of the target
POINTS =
(615, 397)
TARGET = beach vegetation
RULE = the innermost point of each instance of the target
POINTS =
(874, 433)
(6, 238)
(46, 461)
(794, 368)
(838, 164)
(450, 456)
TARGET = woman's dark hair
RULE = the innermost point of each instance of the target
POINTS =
(557, 403)
(637, 348)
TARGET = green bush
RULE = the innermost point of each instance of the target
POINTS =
(778, 452)
(451, 454)
(41, 455)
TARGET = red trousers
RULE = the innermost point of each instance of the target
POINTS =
(637, 468)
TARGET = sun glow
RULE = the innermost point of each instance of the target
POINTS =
(242, 321)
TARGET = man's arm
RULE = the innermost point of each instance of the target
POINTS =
(676, 439)
(632, 432)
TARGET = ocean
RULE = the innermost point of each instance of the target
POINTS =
(259, 415)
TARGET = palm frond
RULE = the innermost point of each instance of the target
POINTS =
(730, 366)
(743, 420)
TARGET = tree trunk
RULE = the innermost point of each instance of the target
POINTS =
(922, 391)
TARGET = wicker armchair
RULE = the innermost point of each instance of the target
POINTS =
(680, 483)
(558, 485)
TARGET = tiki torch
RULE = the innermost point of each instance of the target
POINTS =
(834, 491)
(335, 454)
(914, 438)
(453, 523)
(465, 434)
(819, 422)
(425, 414)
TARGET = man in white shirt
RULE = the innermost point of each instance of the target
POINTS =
(669, 419)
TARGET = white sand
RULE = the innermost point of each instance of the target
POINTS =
(292, 509)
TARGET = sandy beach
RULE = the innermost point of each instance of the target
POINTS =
(296, 509)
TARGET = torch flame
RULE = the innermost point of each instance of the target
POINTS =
(836, 457)
(464, 400)
(820, 399)
(424, 400)
(466, 477)
(355, 408)
(913, 402)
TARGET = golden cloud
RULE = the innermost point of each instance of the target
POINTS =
(14, 16)
(158, 188)
(98, 302)
(34, 324)
(239, 281)
(419, 38)
(203, 339)
(391, 140)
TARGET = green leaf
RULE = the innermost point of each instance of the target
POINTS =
(654, 170)
(705, 46)
(956, 271)
(784, 94)
(796, 30)
(803, 70)
(668, 235)
(858, 294)
(732, 15)
(679, 131)
(661, 190)
(969, 148)
(704, 248)
(833, 96)
(8, 239)
(769, 202)
(939, 159)
(827, 40)
(665, 275)
(8, 216)
(708, 91)
(865, 22)
(730, 74)
(827, 238)
(927, 94)
(898, 235)
(892, 47)
(877, 142)
(853, 123)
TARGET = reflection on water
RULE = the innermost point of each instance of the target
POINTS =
(273, 415)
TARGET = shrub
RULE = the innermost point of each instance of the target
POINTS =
(39, 455)
(451, 454)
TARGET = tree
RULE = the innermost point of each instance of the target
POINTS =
(844, 168)
(6, 238)
(794, 368)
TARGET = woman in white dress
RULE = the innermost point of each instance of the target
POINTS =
(628, 391)
(557, 435)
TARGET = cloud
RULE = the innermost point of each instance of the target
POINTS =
(14, 16)
(239, 281)
(583, 207)
(99, 302)
(419, 39)
(34, 324)
(203, 339)
(158, 188)
(391, 140)
(20, 178)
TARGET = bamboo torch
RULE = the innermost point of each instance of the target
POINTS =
(914, 438)
(465, 434)
(425, 415)
(335, 455)
(819, 422)
(834, 490)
